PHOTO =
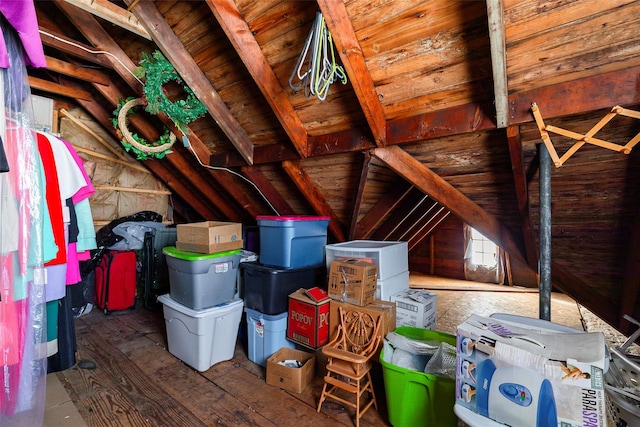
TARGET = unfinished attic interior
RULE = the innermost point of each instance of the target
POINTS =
(420, 121)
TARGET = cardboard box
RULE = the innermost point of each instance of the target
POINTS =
(209, 237)
(353, 281)
(416, 308)
(290, 378)
(308, 320)
(384, 309)
(518, 374)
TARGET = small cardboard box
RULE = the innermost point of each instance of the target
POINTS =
(416, 308)
(353, 281)
(384, 309)
(209, 237)
(528, 375)
(308, 320)
(287, 377)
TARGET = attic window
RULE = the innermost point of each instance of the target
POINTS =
(484, 251)
(483, 259)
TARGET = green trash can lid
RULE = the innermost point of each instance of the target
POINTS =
(197, 256)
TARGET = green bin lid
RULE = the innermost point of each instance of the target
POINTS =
(197, 256)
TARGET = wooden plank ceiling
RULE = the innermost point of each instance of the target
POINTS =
(412, 138)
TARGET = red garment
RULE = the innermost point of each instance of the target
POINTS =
(54, 203)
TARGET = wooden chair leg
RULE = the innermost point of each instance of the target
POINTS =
(323, 396)
(373, 394)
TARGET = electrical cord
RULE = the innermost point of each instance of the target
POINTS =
(187, 144)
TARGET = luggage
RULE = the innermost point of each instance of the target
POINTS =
(115, 282)
(155, 274)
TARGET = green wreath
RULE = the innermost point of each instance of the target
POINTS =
(156, 70)
(135, 143)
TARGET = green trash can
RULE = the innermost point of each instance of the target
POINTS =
(415, 398)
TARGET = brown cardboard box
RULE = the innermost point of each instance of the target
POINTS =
(308, 320)
(209, 237)
(288, 378)
(384, 309)
(353, 281)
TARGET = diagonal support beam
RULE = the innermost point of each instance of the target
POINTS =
(464, 208)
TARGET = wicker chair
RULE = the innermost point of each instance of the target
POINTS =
(349, 364)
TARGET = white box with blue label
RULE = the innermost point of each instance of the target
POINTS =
(529, 376)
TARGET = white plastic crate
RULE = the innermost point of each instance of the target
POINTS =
(392, 285)
(392, 258)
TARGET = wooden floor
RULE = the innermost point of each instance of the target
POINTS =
(137, 382)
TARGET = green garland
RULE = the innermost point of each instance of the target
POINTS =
(156, 70)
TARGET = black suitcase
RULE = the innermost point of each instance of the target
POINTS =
(155, 274)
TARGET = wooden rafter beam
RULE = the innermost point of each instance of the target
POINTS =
(270, 192)
(173, 49)
(74, 48)
(344, 36)
(242, 39)
(77, 72)
(577, 96)
(112, 13)
(101, 42)
(313, 195)
(495, 17)
(436, 187)
(58, 89)
(357, 202)
(522, 197)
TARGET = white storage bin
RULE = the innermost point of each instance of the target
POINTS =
(392, 258)
(392, 285)
(201, 338)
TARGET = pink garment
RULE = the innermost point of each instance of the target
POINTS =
(73, 265)
(22, 17)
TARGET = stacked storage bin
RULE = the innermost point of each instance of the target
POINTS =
(291, 256)
(392, 259)
(203, 309)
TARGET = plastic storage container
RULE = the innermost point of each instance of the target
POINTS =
(266, 289)
(265, 335)
(415, 398)
(392, 258)
(392, 285)
(202, 280)
(201, 338)
(292, 241)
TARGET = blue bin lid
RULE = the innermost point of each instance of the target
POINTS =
(197, 256)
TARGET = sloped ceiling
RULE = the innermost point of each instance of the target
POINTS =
(435, 119)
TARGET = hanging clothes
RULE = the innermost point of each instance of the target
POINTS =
(24, 226)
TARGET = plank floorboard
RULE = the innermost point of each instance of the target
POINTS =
(138, 382)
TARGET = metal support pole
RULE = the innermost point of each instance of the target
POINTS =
(545, 232)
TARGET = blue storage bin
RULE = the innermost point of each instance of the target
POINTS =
(266, 334)
(292, 241)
